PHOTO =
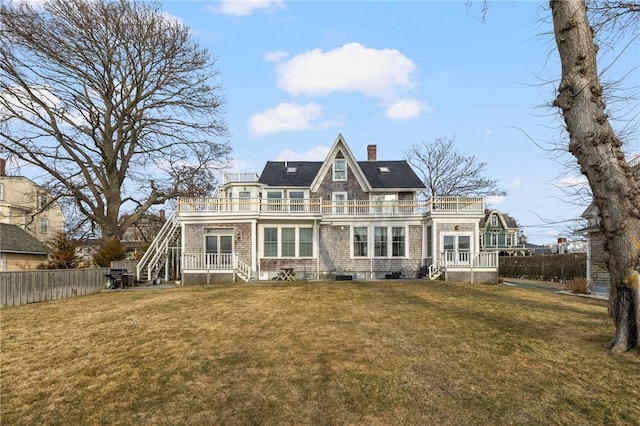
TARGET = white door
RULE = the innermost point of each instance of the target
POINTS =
(457, 249)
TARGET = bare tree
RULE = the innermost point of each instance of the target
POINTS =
(598, 151)
(445, 171)
(114, 100)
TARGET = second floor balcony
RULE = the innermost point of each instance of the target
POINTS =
(318, 208)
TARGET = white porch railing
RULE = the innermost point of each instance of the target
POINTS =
(208, 261)
(215, 262)
(240, 177)
(315, 206)
(467, 259)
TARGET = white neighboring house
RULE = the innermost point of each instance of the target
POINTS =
(334, 219)
(27, 205)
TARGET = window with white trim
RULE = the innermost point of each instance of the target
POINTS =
(340, 170)
(305, 242)
(274, 200)
(1, 191)
(339, 200)
(270, 242)
(44, 226)
(288, 242)
(398, 242)
(43, 201)
(380, 241)
(296, 199)
(360, 241)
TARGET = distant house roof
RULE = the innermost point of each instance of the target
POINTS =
(13, 239)
(509, 222)
(380, 174)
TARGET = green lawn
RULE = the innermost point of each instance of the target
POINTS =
(360, 353)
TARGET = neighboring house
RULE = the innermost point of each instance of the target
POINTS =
(499, 232)
(27, 205)
(137, 237)
(339, 218)
(19, 250)
(597, 257)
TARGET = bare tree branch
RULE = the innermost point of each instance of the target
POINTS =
(113, 99)
(447, 172)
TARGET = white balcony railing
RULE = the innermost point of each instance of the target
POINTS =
(467, 259)
(318, 207)
(240, 177)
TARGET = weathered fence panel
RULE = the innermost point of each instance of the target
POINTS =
(548, 267)
(22, 287)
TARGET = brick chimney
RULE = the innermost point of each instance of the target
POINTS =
(161, 213)
(3, 165)
(562, 240)
(372, 151)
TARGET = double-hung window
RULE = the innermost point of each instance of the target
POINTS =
(270, 242)
(296, 200)
(380, 241)
(398, 242)
(305, 242)
(360, 235)
(340, 170)
(288, 242)
(274, 201)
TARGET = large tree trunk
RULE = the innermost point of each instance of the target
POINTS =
(598, 151)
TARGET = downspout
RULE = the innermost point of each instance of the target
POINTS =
(317, 228)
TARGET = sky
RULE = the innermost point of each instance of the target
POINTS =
(400, 73)
(295, 74)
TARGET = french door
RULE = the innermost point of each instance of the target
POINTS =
(219, 249)
(457, 249)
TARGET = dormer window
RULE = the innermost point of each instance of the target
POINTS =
(383, 169)
(494, 221)
(340, 170)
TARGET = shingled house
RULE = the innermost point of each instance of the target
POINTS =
(597, 257)
(19, 250)
(338, 218)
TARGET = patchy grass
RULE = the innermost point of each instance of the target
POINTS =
(366, 353)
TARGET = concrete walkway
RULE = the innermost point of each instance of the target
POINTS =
(597, 292)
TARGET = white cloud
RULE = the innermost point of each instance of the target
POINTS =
(317, 153)
(275, 56)
(246, 7)
(351, 68)
(405, 109)
(288, 117)
(515, 183)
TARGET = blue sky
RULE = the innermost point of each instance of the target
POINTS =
(295, 74)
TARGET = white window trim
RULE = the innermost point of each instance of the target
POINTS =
(371, 234)
(334, 169)
(296, 241)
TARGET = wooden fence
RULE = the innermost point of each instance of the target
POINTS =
(548, 267)
(20, 288)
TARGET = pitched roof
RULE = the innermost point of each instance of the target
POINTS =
(13, 239)
(510, 222)
(275, 173)
(399, 175)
